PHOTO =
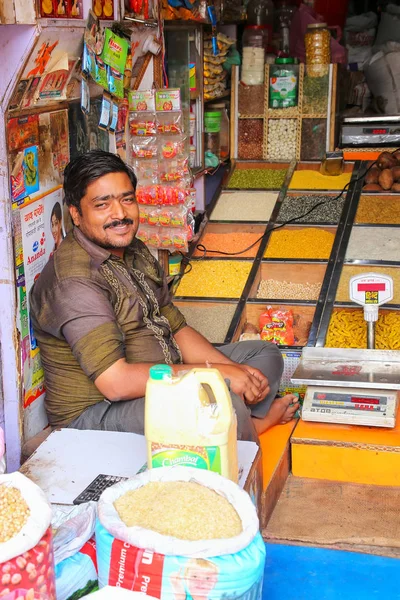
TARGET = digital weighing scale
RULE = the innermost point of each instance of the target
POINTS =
(352, 386)
(376, 130)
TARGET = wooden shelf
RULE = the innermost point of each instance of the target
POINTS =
(251, 116)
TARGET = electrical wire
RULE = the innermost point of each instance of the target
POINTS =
(206, 251)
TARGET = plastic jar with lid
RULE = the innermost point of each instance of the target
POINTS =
(283, 83)
(255, 39)
(212, 128)
(318, 49)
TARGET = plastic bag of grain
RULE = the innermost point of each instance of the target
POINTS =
(75, 550)
(26, 544)
(178, 533)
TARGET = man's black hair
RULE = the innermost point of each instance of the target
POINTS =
(56, 212)
(87, 168)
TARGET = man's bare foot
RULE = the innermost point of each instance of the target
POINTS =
(282, 411)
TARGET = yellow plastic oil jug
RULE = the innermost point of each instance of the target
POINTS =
(190, 421)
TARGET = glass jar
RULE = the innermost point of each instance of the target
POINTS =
(283, 83)
(260, 12)
(318, 49)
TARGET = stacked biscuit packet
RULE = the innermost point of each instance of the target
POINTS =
(215, 76)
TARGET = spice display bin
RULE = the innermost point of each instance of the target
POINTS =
(318, 182)
(244, 206)
(259, 171)
(349, 270)
(303, 315)
(347, 329)
(378, 209)
(229, 237)
(298, 274)
(316, 110)
(212, 319)
(282, 243)
(374, 243)
(298, 203)
(217, 278)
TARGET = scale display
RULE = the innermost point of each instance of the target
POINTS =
(367, 131)
(376, 408)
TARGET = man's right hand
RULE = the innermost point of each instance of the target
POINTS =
(243, 383)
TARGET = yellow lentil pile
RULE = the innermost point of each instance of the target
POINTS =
(372, 209)
(313, 180)
(215, 279)
(342, 294)
(274, 289)
(182, 509)
(347, 329)
(14, 512)
(310, 242)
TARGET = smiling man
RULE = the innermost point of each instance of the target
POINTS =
(102, 316)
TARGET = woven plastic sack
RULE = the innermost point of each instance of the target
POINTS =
(26, 560)
(168, 568)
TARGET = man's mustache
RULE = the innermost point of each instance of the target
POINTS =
(116, 223)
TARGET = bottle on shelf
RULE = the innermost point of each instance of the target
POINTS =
(261, 13)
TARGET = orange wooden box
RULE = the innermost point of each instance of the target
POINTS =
(351, 453)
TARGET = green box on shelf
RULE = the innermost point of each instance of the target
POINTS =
(115, 51)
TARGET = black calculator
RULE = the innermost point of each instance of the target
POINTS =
(97, 487)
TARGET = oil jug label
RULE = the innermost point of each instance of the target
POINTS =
(199, 457)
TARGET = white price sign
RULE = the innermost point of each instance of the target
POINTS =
(371, 289)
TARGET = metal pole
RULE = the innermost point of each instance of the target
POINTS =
(371, 335)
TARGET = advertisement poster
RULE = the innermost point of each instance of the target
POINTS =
(41, 232)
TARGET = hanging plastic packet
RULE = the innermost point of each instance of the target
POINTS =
(115, 82)
(144, 148)
(100, 73)
(85, 96)
(105, 112)
(86, 61)
(169, 123)
(142, 124)
(114, 116)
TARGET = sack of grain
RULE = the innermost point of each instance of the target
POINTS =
(75, 550)
(184, 505)
(26, 544)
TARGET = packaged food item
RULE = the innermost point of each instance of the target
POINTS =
(267, 327)
(164, 237)
(146, 170)
(172, 148)
(142, 124)
(225, 566)
(142, 100)
(276, 325)
(168, 100)
(144, 148)
(169, 123)
(162, 194)
(283, 326)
